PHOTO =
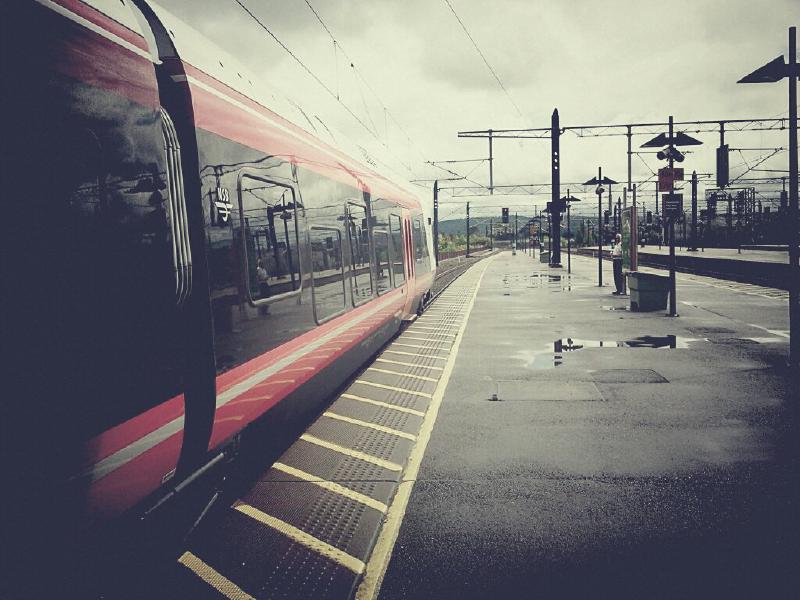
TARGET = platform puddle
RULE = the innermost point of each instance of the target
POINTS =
(551, 356)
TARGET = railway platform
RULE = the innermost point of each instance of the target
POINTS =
(528, 436)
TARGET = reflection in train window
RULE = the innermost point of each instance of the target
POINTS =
(395, 226)
(328, 272)
(267, 232)
(380, 238)
(358, 238)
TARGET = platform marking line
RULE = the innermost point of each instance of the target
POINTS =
(394, 388)
(432, 329)
(406, 364)
(368, 425)
(386, 464)
(213, 578)
(331, 486)
(301, 537)
(778, 332)
(415, 354)
(382, 552)
(423, 339)
(390, 372)
(418, 346)
(403, 409)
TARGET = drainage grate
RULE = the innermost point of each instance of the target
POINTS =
(628, 376)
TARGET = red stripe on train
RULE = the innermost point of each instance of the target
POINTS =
(104, 22)
(213, 114)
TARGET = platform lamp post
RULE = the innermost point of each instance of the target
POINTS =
(772, 72)
(568, 200)
(599, 190)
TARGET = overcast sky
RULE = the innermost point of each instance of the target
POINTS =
(606, 62)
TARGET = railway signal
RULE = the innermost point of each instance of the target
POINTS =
(672, 206)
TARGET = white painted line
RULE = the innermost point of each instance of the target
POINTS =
(367, 425)
(405, 336)
(410, 411)
(382, 553)
(331, 486)
(390, 372)
(312, 439)
(414, 354)
(301, 537)
(393, 388)
(418, 346)
(406, 364)
(778, 332)
(213, 577)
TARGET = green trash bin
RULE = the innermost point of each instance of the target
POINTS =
(648, 291)
(544, 257)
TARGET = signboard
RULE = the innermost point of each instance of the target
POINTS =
(672, 205)
(667, 176)
(630, 239)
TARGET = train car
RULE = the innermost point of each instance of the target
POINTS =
(180, 261)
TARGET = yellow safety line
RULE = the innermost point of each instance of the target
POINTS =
(406, 364)
(353, 453)
(368, 425)
(422, 377)
(410, 411)
(301, 537)
(216, 580)
(433, 329)
(393, 388)
(382, 552)
(423, 339)
(331, 486)
(418, 346)
(414, 354)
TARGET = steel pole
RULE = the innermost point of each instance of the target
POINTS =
(794, 251)
(491, 160)
(599, 228)
(555, 190)
(436, 221)
(672, 302)
(693, 243)
(467, 229)
(569, 239)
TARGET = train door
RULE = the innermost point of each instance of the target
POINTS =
(361, 279)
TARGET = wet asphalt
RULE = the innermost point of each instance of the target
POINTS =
(627, 455)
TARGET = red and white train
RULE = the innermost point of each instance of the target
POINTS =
(179, 261)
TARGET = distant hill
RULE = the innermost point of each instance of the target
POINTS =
(455, 226)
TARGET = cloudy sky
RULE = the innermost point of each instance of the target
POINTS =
(417, 78)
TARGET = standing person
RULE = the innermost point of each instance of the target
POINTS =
(616, 254)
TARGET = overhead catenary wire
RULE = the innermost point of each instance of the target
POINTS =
(321, 83)
(360, 76)
(486, 62)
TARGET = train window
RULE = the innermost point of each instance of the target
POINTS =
(396, 229)
(267, 229)
(358, 238)
(380, 238)
(420, 247)
(328, 272)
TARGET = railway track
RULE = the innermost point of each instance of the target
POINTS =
(450, 270)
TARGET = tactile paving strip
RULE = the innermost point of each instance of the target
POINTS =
(307, 527)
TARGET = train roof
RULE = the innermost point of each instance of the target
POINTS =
(203, 54)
